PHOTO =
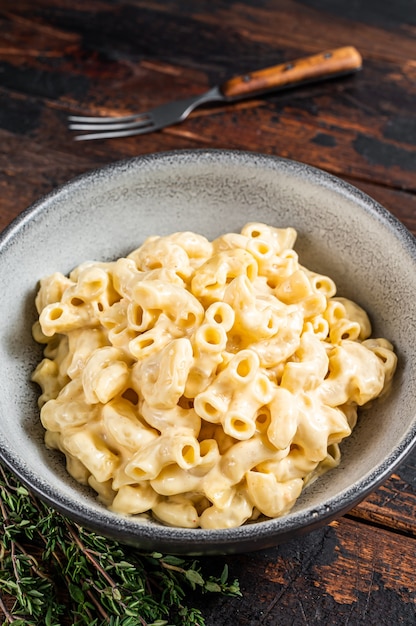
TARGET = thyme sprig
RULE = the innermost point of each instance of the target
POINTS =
(51, 567)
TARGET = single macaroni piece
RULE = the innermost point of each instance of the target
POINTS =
(204, 382)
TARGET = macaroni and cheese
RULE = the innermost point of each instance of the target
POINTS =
(204, 381)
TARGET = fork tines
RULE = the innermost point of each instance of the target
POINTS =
(108, 127)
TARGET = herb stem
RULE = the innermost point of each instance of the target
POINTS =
(13, 555)
(89, 556)
(5, 610)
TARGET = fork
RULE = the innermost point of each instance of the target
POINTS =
(328, 64)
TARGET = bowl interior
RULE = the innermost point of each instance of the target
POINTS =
(107, 213)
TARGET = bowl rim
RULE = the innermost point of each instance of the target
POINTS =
(266, 533)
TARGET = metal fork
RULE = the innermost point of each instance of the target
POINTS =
(328, 64)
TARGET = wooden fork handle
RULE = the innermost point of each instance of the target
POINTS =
(326, 64)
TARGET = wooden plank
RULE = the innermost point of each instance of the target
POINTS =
(345, 573)
(260, 128)
(295, 125)
(362, 126)
(393, 504)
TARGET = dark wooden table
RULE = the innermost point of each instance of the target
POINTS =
(119, 56)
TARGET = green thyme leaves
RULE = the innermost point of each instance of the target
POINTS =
(52, 571)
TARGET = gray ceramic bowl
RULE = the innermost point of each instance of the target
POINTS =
(108, 212)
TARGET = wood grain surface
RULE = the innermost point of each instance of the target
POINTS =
(122, 56)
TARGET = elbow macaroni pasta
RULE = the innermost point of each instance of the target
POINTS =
(205, 382)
